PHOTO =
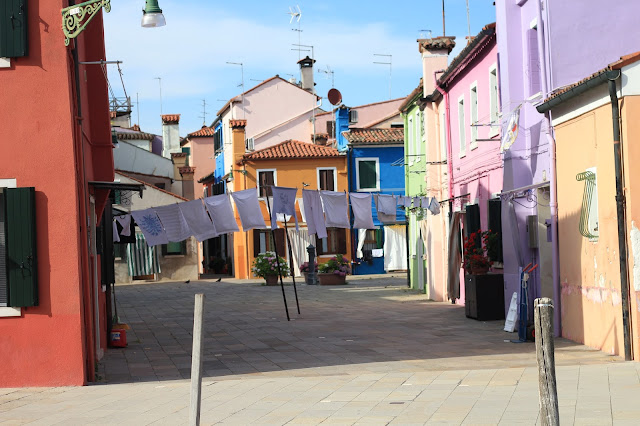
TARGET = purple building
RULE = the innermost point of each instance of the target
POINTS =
(544, 45)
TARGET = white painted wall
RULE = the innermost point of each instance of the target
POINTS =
(130, 158)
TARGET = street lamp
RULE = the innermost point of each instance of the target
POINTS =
(152, 15)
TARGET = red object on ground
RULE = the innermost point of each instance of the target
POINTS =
(118, 338)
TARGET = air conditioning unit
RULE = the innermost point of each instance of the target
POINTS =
(353, 116)
(249, 146)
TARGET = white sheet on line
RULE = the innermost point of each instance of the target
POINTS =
(314, 214)
(151, 227)
(395, 248)
(249, 209)
(336, 209)
(221, 212)
(198, 220)
(284, 202)
(361, 206)
(173, 222)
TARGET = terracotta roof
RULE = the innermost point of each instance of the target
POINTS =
(622, 62)
(113, 114)
(292, 149)
(437, 43)
(208, 178)
(170, 118)
(134, 135)
(186, 169)
(237, 123)
(178, 154)
(202, 133)
(374, 136)
(135, 127)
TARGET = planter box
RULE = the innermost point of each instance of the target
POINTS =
(272, 279)
(331, 279)
(484, 297)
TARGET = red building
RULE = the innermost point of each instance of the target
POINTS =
(55, 141)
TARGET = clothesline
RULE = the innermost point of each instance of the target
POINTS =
(209, 217)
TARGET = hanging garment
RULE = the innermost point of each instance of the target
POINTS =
(249, 209)
(424, 202)
(361, 207)
(399, 200)
(116, 234)
(362, 235)
(455, 258)
(221, 212)
(299, 241)
(142, 259)
(313, 213)
(148, 222)
(284, 202)
(336, 209)
(416, 202)
(386, 208)
(124, 221)
(406, 202)
(395, 248)
(434, 206)
(173, 222)
(303, 216)
(198, 220)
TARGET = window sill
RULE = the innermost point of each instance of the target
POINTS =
(5, 63)
(462, 154)
(494, 131)
(368, 189)
(174, 255)
(10, 312)
(473, 145)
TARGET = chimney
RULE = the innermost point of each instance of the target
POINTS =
(238, 139)
(435, 56)
(170, 134)
(321, 138)
(306, 70)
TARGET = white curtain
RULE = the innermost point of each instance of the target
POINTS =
(395, 248)
(362, 234)
(299, 240)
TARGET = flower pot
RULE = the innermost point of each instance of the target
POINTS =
(331, 279)
(271, 279)
(482, 270)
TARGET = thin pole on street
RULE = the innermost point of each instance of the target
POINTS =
(543, 318)
(293, 275)
(275, 247)
(196, 361)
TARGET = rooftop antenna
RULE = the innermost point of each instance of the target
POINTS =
(443, 29)
(328, 72)
(468, 21)
(296, 13)
(204, 112)
(306, 50)
(426, 34)
(160, 83)
(241, 84)
(138, 108)
(386, 63)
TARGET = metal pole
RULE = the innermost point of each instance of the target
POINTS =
(196, 361)
(160, 84)
(444, 33)
(293, 275)
(548, 392)
(406, 241)
(275, 247)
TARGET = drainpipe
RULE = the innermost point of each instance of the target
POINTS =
(445, 97)
(553, 193)
(622, 221)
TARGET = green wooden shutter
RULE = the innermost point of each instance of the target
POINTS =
(22, 262)
(472, 222)
(367, 174)
(13, 28)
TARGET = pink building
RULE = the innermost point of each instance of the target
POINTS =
(469, 87)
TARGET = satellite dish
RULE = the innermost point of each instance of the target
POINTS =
(335, 97)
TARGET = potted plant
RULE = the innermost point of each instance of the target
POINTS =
(265, 265)
(334, 271)
(476, 259)
(304, 268)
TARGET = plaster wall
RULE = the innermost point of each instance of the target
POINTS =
(170, 139)
(130, 158)
(202, 158)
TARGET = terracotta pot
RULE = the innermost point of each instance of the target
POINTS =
(331, 279)
(271, 279)
(479, 270)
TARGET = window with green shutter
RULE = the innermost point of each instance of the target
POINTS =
(18, 264)
(367, 173)
(13, 29)
(174, 249)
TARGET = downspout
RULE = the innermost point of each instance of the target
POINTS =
(553, 193)
(445, 97)
(622, 221)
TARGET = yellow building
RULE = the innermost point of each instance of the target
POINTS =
(290, 164)
(600, 287)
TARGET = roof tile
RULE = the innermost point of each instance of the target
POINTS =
(374, 136)
(237, 123)
(202, 133)
(292, 149)
(170, 118)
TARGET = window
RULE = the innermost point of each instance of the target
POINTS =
(493, 97)
(217, 140)
(262, 242)
(473, 105)
(335, 243)
(443, 137)
(13, 29)
(461, 128)
(588, 224)
(495, 225)
(266, 179)
(533, 64)
(174, 249)
(367, 174)
(327, 179)
(18, 259)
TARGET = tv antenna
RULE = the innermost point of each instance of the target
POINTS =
(160, 84)
(385, 63)
(296, 13)
(241, 65)
(204, 112)
(328, 72)
(443, 28)
(299, 48)
(468, 21)
(425, 34)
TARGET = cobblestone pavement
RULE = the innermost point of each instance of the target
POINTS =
(371, 352)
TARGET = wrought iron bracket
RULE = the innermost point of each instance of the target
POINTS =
(76, 18)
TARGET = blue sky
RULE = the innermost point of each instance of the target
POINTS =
(191, 51)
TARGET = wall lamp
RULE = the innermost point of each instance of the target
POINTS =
(75, 18)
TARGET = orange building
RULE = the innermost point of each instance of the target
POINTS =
(598, 236)
(291, 164)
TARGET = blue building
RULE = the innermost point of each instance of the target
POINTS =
(372, 153)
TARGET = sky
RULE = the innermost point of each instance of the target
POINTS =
(191, 52)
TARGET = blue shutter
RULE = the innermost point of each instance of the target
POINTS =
(13, 28)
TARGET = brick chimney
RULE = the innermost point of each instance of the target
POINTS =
(306, 70)
(435, 56)
(170, 134)
(321, 138)
(238, 139)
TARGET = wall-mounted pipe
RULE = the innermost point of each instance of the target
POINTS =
(445, 97)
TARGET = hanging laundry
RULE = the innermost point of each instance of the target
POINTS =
(424, 202)
(116, 235)
(362, 236)
(249, 209)
(336, 209)
(383, 210)
(434, 206)
(406, 202)
(148, 222)
(221, 212)
(361, 206)
(198, 220)
(284, 202)
(173, 222)
(313, 213)
(125, 221)
(399, 200)
(142, 259)
(416, 202)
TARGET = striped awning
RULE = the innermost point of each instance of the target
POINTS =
(142, 259)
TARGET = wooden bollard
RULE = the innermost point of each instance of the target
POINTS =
(543, 317)
(196, 361)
